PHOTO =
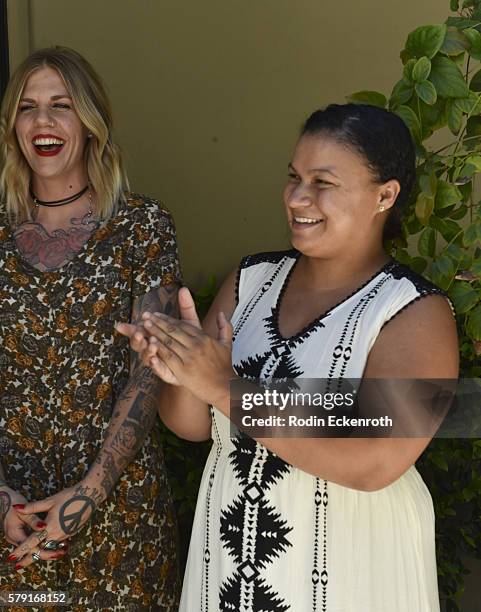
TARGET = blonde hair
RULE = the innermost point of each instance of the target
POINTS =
(104, 164)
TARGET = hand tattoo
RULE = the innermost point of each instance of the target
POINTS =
(71, 520)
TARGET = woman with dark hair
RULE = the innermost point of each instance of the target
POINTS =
(85, 506)
(320, 524)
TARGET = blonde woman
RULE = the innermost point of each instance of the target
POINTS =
(84, 503)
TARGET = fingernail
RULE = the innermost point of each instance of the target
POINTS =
(12, 558)
(19, 506)
(18, 566)
(41, 524)
(59, 554)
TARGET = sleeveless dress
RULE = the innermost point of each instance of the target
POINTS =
(268, 537)
(62, 368)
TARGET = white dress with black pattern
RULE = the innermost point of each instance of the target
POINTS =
(268, 537)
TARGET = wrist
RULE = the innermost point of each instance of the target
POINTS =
(91, 486)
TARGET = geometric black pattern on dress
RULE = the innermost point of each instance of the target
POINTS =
(343, 349)
(204, 598)
(320, 499)
(252, 531)
(271, 471)
(263, 598)
(269, 540)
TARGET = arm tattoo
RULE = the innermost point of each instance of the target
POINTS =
(5, 504)
(136, 408)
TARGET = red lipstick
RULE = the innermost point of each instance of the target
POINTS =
(47, 150)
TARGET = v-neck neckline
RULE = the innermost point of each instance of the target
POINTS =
(317, 320)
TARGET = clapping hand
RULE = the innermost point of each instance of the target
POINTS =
(181, 353)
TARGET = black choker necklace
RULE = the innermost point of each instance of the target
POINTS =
(68, 200)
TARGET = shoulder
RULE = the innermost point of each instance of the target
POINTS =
(419, 335)
(405, 288)
(146, 209)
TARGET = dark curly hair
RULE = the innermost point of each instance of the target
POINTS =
(382, 139)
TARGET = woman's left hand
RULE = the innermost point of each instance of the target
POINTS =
(67, 512)
(181, 349)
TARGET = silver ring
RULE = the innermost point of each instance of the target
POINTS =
(50, 545)
(36, 556)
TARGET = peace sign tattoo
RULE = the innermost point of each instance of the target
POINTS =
(71, 520)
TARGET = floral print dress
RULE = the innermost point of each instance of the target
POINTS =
(62, 367)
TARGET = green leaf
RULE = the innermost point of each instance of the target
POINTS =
(427, 242)
(462, 23)
(418, 264)
(427, 92)
(447, 78)
(401, 93)
(470, 235)
(443, 271)
(421, 69)
(454, 42)
(426, 40)
(454, 5)
(433, 117)
(448, 228)
(473, 326)
(368, 97)
(428, 184)
(455, 117)
(474, 38)
(408, 69)
(475, 84)
(410, 119)
(463, 296)
(474, 160)
(459, 213)
(424, 208)
(446, 194)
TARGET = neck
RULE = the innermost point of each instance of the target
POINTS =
(57, 188)
(337, 272)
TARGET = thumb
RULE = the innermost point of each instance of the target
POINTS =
(188, 312)
(224, 330)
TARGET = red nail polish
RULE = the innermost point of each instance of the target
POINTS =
(41, 524)
(58, 555)
(11, 557)
(19, 506)
(18, 566)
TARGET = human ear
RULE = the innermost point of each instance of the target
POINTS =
(388, 193)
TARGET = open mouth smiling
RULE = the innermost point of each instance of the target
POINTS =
(47, 144)
(306, 221)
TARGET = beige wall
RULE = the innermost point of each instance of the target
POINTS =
(208, 96)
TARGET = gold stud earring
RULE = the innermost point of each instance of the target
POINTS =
(381, 208)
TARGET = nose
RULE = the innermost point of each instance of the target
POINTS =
(299, 197)
(44, 117)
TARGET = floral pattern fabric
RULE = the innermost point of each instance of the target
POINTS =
(62, 367)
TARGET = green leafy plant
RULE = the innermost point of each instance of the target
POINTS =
(439, 92)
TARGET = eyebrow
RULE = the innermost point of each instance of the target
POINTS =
(315, 170)
(57, 97)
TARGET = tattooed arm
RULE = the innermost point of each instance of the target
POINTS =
(134, 413)
(132, 419)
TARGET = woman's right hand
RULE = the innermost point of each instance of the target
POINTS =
(12, 525)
